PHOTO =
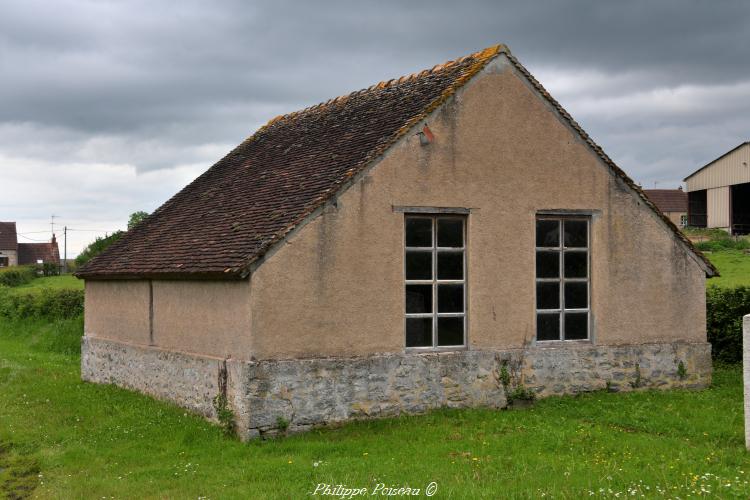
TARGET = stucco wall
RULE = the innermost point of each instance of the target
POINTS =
(117, 310)
(207, 317)
(336, 287)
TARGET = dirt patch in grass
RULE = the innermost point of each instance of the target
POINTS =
(19, 473)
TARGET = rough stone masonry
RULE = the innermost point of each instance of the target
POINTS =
(303, 393)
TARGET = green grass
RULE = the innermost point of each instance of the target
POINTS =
(734, 267)
(62, 281)
(65, 438)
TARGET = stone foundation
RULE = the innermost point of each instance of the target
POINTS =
(312, 392)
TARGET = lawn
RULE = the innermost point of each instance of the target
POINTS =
(63, 281)
(69, 439)
(734, 267)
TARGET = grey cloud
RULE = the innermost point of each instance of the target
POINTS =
(663, 85)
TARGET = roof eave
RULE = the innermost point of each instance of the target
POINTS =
(715, 160)
(229, 275)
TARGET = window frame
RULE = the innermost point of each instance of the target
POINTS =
(561, 279)
(435, 250)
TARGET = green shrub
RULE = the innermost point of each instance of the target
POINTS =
(727, 243)
(50, 269)
(47, 303)
(17, 275)
(725, 308)
(717, 240)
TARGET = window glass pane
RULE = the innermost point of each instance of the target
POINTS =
(548, 264)
(547, 233)
(576, 295)
(450, 298)
(418, 232)
(450, 266)
(418, 298)
(548, 326)
(576, 233)
(576, 326)
(450, 232)
(418, 332)
(548, 295)
(576, 264)
(419, 265)
(450, 331)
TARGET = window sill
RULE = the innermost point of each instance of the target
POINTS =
(563, 343)
(433, 350)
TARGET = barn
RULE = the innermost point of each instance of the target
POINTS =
(719, 192)
(443, 239)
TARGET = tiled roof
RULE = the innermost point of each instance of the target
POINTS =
(233, 213)
(668, 200)
(8, 238)
(30, 253)
(230, 216)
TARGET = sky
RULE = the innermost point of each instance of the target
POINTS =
(110, 107)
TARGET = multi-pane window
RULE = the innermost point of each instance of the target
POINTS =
(562, 278)
(435, 269)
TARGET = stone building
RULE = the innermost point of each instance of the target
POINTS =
(672, 202)
(398, 249)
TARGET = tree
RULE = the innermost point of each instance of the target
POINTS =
(136, 218)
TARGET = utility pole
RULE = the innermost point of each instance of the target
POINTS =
(65, 249)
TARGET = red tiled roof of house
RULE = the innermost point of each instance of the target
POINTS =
(8, 238)
(31, 253)
(668, 200)
(230, 216)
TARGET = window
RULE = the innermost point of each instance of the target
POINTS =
(3, 261)
(435, 275)
(683, 220)
(562, 278)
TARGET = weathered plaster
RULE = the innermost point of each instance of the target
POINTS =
(204, 317)
(336, 287)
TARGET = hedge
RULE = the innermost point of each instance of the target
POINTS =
(17, 275)
(49, 303)
(725, 308)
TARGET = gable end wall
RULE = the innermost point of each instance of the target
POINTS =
(336, 286)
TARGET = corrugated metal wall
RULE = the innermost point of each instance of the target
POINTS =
(718, 207)
(734, 168)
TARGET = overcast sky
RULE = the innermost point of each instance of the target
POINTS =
(111, 107)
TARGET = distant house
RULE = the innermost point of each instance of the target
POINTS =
(672, 202)
(719, 192)
(13, 253)
(435, 240)
(8, 244)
